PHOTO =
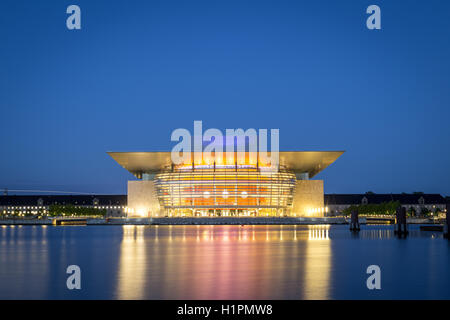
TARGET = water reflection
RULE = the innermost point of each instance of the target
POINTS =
(132, 266)
(386, 232)
(221, 262)
(318, 232)
(317, 263)
(224, 262)
(24, 256)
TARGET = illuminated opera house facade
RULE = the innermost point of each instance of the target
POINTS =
(225, 187)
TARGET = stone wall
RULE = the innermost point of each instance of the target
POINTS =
(142, 199)
(246, 221)
(308, 199)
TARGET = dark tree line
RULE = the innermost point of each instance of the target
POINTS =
(70, 210)
(388, 208)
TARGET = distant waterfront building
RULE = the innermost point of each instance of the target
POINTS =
(114, 205)
(337, 203)
(117, 206)
(225, 186)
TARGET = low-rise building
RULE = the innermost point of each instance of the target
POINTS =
(115, 205)
(337, 203)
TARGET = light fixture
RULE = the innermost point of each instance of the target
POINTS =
(141, 212)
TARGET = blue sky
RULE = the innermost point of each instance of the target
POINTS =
(139, 69)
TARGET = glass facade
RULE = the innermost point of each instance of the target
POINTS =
(225, 184)
(224, 191)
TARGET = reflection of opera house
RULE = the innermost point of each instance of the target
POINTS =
(225, 187)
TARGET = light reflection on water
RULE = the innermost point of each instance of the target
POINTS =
(317, 263)
(132, 266)
(23, 248)
(214, 262)
(220, 262)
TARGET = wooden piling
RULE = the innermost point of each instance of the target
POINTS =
(401, 227)
(354, 221)
(446, 221)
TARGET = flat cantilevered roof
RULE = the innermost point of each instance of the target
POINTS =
(297, 161)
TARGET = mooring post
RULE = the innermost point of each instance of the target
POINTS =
(446, 221)
(401, 227)
(354, 222)
(397, 214)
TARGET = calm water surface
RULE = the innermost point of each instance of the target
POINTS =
(221, 262)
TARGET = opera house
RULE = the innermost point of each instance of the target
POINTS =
(226, 187)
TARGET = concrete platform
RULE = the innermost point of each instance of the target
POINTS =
(245, 221)
(188, 221)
